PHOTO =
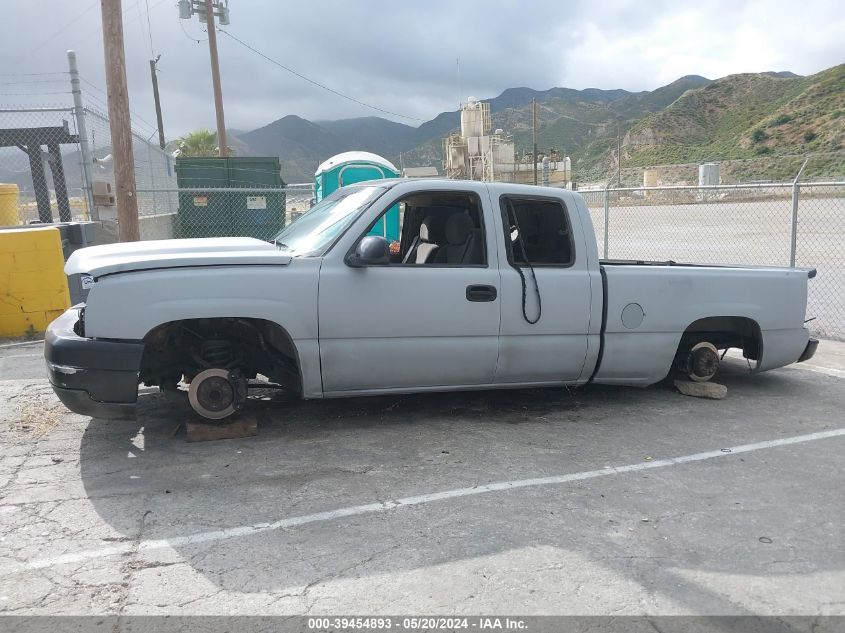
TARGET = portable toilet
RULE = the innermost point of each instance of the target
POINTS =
(351, 167)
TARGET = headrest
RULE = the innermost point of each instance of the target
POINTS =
(459, 226)
(427, 229)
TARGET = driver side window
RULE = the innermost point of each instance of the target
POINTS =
(435, 229)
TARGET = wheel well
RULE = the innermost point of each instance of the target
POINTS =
(724, 332)
(181, 348)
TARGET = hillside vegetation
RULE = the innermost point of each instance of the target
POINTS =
(760, 116)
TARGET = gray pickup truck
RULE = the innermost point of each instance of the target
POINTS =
(491, 285)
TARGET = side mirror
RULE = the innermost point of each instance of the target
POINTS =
(372, 250)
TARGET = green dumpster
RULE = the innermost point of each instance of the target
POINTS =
(219, 203)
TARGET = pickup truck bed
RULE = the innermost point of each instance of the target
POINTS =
(761, 298)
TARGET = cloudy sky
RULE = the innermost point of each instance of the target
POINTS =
(403, 57)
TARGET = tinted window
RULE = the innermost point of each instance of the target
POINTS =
(538, 232)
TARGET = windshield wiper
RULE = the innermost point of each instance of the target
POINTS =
(280, 245)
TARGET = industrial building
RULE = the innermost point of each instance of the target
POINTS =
(476, 153)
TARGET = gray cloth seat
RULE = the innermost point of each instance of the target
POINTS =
(424, 248)
(463, 241)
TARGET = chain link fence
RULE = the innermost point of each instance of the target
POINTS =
(40, 166)
(154, 169)
(774, 224)
(820, 244)
(192, 212)
(818, 166)
(44, 176)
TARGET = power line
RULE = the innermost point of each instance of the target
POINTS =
(198, 41)
(316, 83)
(140, 18)
(150, 29)
(128, 18)
(58, 32)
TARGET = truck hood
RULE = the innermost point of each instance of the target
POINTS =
(108, 259)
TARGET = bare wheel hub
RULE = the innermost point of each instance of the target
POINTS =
(213, 395)
(703, 362)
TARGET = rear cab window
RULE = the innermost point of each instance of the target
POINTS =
(537, 231)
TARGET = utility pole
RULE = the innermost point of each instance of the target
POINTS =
(205, 10)
(222, 148)
(82, 132)
(120, 124)
(618, 157)
(153, 63)
(534, 118)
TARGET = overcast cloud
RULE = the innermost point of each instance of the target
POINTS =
(402, 56)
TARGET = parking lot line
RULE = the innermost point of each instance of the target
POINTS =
(373, 508)
(828, 371)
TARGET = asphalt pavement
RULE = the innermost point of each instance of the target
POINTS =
(601, 500)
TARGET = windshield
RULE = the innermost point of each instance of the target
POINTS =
(315, 230)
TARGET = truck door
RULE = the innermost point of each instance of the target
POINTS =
(428, 319)
(545, 340)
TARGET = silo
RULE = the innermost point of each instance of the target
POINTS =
(472, 118)
(708, 175)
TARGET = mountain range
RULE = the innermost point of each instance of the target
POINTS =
(759, 115)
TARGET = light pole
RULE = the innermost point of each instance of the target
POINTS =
(206, 10)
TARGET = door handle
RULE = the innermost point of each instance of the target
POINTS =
(479, 292)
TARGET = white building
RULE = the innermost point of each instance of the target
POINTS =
(475, 153)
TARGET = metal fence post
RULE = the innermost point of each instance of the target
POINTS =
(606, 219)
(794, 243)
(82, 131)
(793, 247)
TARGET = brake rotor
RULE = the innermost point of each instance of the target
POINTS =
(212, 395)
(703, 362)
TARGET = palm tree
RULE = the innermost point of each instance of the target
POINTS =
(198, 143)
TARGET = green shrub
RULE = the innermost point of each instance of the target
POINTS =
(809, 136)
(758, 135)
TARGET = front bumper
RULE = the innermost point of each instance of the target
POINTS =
(809, 351)
(91, 376)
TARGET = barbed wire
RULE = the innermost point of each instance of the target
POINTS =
(34, 94)
(104, 104)
(64, 72)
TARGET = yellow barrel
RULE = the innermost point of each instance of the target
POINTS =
(9, 205)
